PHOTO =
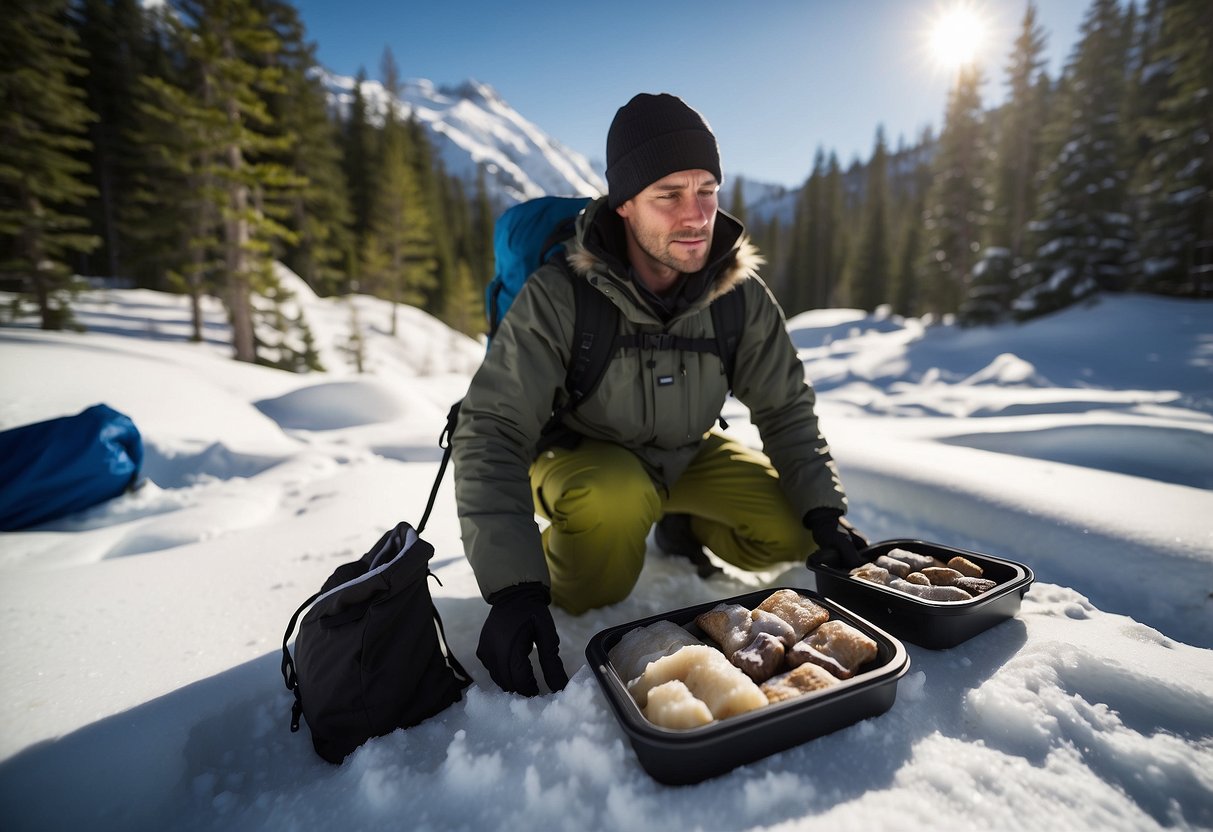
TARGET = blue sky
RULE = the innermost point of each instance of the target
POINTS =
(774, 78)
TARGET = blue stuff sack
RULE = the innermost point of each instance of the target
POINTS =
(54, 468)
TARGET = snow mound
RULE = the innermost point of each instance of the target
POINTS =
(333, 405)
(169, 467)
(1007, 370)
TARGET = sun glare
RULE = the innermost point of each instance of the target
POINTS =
(957, 36)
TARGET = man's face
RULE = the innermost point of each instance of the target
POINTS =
(670, 223)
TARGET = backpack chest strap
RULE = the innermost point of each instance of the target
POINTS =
(666, 341)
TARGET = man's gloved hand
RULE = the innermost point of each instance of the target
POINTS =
(838, 543)
(519, 620)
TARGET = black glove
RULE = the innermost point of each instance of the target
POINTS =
(518, 620)
(838, 543)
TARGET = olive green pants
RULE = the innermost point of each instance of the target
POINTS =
(601, 503)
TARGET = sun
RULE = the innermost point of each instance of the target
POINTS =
(957, 36)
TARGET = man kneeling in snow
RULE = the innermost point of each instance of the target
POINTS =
(640, 449)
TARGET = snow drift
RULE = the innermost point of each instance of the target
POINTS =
(139, 684)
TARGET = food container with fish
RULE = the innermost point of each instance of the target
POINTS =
(701, 690)
(931, 595)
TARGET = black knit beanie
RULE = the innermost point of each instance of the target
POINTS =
(653, 136)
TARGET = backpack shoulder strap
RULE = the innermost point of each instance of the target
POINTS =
(595, 341)
(595, 326)
(561, 233)
(728, 319)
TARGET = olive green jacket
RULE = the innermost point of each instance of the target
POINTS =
(521, 381)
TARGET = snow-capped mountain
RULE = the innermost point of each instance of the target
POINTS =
(472, 127)
(763, 201)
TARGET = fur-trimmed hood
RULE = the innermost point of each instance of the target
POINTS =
(599, 247)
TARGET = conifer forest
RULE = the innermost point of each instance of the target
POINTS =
(187, 146)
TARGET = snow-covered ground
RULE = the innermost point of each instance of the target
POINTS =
(139, 679)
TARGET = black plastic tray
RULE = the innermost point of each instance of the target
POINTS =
(680, 757)
(933, 624)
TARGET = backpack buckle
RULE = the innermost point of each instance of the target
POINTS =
(659, 341)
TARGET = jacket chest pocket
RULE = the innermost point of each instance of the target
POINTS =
(687, 391)
(662, 398)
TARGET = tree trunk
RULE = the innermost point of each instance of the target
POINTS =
(239, 303)
(236, 249)
(195, 290)
(31, 243)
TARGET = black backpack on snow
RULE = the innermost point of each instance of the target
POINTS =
(371, 655)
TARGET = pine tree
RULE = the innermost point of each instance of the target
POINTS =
(306, 199)
(912, 182)
(955, 205)
(1019, 140)
(358, 159)
(284, 338)
(991, 290)
(771, 241)
(1148, 79)
(398, 258)
(321, 215)
(432, 179)
(319, 210)
(852, 184)
(815, 255)
(480, 249)
(156, 208)
(114, 35)
(225, 118)
(1020, 131)
(355, 347)
(830, 241)
(1174, 182)
(465, 305)
(870, 273)
(903, 296)
(42, 127)
(1148, 83)
(737, 200)
(172, 221)
(1081, 231)
(793, 280)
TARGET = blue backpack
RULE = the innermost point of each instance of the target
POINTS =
(524, 238)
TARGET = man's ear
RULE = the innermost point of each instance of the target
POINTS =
(624, 210)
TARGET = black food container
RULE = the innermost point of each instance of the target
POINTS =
(936, 625)
(680, 757)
